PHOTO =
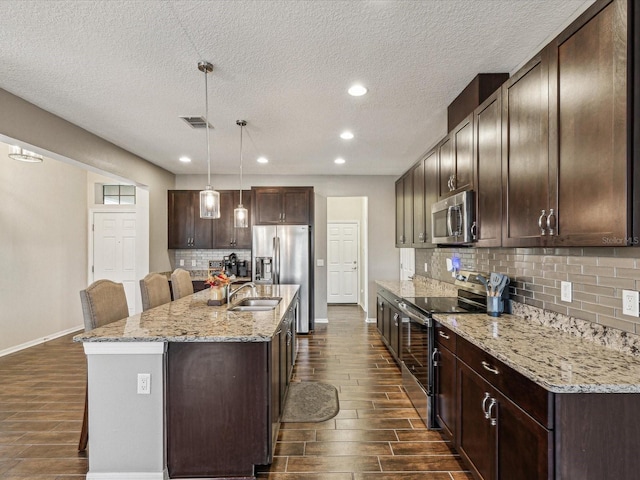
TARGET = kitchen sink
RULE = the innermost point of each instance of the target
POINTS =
(254, 304)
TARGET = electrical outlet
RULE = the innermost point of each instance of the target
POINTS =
(144, 383)
(565, 292)
(193, 263)
(182, 262)
(631, 303)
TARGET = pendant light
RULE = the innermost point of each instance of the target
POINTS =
(209, 198)
(240, 214)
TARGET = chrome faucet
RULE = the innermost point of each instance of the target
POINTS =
(231, 293)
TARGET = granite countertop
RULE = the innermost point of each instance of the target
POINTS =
(190, 319)
(558, 361)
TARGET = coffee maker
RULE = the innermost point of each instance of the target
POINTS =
(231, 265)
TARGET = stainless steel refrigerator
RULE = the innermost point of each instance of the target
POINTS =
(282, 254)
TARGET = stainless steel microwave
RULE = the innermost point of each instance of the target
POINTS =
(452, 219)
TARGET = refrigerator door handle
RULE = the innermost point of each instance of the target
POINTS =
(274, 265)
(277, 261)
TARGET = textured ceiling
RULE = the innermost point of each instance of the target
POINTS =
(127, 70)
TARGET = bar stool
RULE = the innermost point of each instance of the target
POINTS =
(181, 284)
(103, 302)
(154, 289)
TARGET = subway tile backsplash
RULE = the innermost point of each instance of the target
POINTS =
(203, 256)
(598, 276)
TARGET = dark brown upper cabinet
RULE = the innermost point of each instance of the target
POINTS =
(525, 153)
(488, 181)
(404, 211)
(226, 235)
(588, 128)
(425, 193)
(283, 205)
(565, 159)
(186, 228)
(456, 160)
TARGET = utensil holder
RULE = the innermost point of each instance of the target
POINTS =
(495, 306)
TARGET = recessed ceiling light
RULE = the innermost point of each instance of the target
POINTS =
(339, 161)
(185, 159)
(346, 135)
(357, 90)
(263, 160)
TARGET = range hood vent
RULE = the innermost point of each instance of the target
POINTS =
(196, 122)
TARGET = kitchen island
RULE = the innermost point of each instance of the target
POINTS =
(187, 390)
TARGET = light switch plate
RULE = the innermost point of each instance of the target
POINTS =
(565, 292)
(426, 267)
(182, 262)
(631, 303)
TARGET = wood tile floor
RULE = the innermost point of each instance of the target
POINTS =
(376, 436)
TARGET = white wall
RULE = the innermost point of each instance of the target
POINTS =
(383, 257)
(43, 249)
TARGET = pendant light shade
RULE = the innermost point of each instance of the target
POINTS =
(240, 214)
(209, 203)
(209, 198)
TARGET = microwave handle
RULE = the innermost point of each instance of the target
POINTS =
(451, 211)
(449, 226)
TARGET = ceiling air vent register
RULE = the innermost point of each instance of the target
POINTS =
(196, 122)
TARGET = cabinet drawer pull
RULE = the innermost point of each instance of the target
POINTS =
(489, 368)
(443, 335)
(542, 222)
(551, 222)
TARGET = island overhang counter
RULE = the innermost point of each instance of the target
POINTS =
(211, 406)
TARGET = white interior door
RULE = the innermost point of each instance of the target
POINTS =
(407, 263)
(342, 263)
(114, 251)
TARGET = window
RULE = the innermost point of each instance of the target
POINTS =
(119, 194)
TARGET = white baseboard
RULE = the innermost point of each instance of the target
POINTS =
(164, 475)
(370, 320)
(321, 320)
(39, 341)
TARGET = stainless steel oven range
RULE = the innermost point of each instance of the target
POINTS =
(417, 342)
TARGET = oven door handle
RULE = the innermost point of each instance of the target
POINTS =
(421, 320)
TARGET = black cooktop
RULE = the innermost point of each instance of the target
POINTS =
(430, 305)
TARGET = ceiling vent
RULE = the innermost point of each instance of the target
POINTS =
(196, 122)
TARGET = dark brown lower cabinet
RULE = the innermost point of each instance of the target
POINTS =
(389, 322)
(446, 390)
(497, 438)
(218, 408)
(510, 428)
